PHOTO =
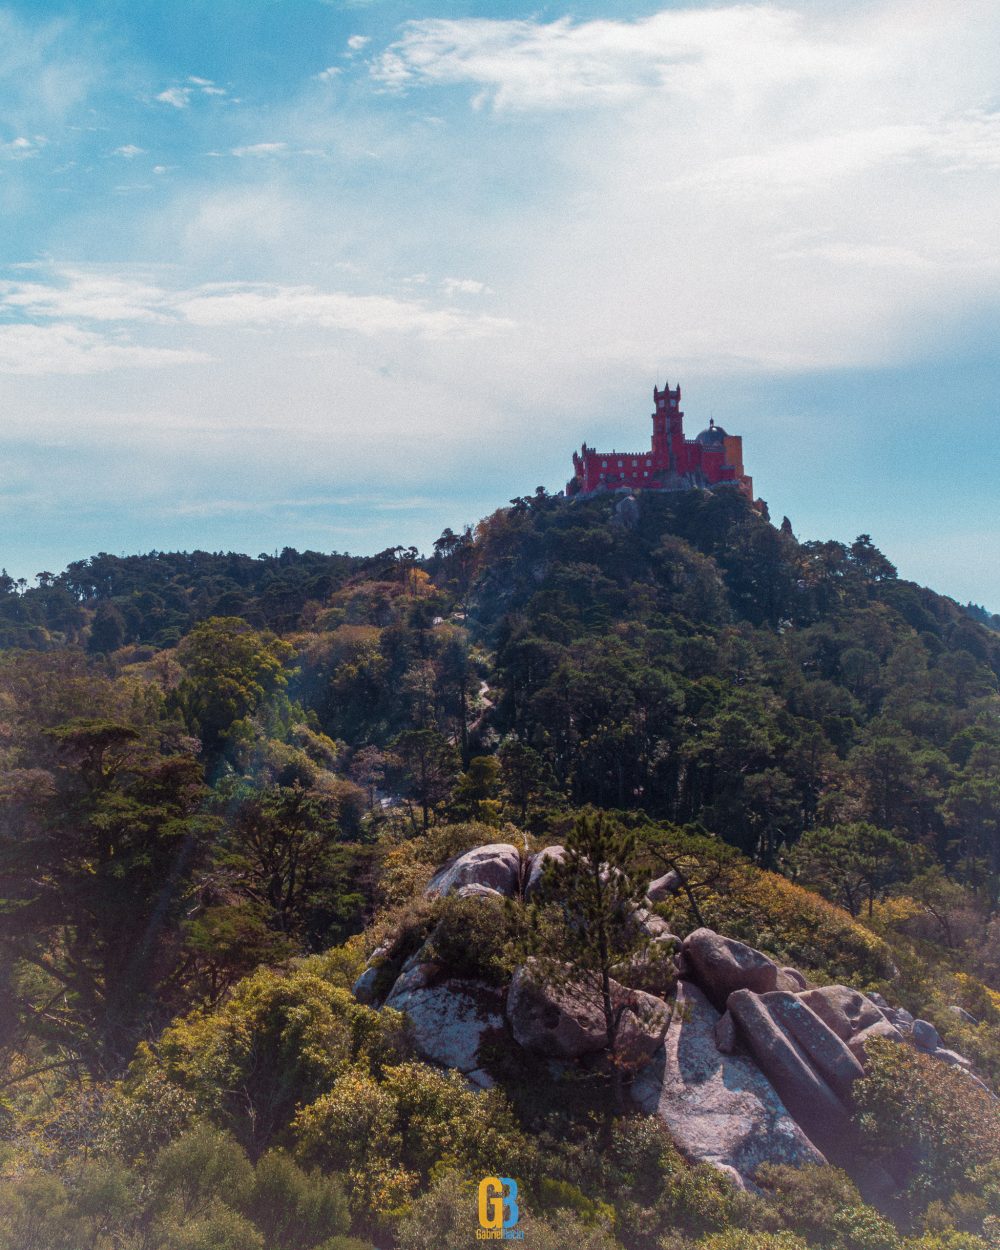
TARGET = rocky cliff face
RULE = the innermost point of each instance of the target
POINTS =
(742, 1060)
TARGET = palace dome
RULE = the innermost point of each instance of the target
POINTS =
(713, 436)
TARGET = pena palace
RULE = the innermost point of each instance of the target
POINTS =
(674, 462)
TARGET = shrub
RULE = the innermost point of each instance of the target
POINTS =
(200, 1168)
(415, 1123)
(656, 1190)
(34, 1213)
(219, 1228)
(295, 1210)
(951, 1240)
(354, 1122)
(823, 1205)
(277, 1043)
(472, 936)
(929, 1122)
(741, 1239)
(445, 1218)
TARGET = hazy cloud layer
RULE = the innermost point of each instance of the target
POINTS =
(455, 248)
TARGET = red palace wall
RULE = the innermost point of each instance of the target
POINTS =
(672, 462)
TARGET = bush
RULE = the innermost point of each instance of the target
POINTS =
(355, 1121)
(277, 1043)
(929, 1123)
(823, 1205)
(34, 1213)
(295, 1210)
(199, 1169)
(219, 1228)
(472, 937)
(445, 1218)
(655, 1190)
(741, 1239)
(391, 1136)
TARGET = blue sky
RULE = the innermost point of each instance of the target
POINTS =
(337, 275)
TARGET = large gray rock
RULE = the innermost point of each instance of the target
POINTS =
(626, 513)
(827, 1053)
(567, 1021)
(642, 1026)
(366, 988)
(650, 925)
(787, 1066)
(475, 890)
(537, 864)
(792, 979)
(844, 1010)
(563, 1022)
(726, 1038)
(925, 1036)
(721, 965)
(416, 974)
(953, 1057)
(719, 1108)
(449, 1020)
(663, 887)
(497, 866)
(901, 1018)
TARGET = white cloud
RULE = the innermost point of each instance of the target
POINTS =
(21, 148)
(129, 151)
(465, 286)
(67, 349)
(47, 69)
(247, 304)
(764, 187)
(260, 149)
(177, 97)
(82, 298)
(331, 71)
(67, 292)
(180, 95)
(357, 42)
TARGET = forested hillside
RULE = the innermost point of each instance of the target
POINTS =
(226, 780)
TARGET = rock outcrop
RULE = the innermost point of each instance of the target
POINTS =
(881, 1029)
(537, 865)
(787, 1066)
(450, 1020)
(721, 965)
(749, 1065)
(663, 887)
(847, 1012)
(567, 1021)
(719, 1108)
(827, 1053)
(496, 867)
(925, 1035)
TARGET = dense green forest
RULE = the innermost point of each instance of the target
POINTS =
(225, 780)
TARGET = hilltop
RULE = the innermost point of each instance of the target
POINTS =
(227, 782)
